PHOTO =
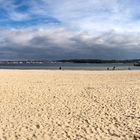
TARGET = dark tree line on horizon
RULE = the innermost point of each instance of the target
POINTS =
(99, 61)
(96, 61)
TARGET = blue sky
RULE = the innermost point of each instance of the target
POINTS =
(64, 29)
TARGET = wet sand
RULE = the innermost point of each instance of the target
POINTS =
(69, 105)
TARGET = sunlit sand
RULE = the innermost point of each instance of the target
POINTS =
(69, 105)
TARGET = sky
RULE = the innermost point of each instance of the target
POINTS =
(68, 29)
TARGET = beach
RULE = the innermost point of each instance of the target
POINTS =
(69, 105)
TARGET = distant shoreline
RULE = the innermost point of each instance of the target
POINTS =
(72, 65)
(90, 61)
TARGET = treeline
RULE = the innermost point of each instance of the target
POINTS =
(98, 61)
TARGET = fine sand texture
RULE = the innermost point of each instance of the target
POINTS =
(69, 105)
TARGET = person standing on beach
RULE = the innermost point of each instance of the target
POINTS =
(114, 68)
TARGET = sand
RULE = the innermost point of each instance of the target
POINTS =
(69, 105)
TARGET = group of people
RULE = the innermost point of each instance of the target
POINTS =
(115, 68)
(112, 68)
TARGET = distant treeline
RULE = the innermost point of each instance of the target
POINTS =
(98, 61)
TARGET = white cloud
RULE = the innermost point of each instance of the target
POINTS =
(60, 43)
(64, 37)
(94, 15)
(88, 28)
(91, 15)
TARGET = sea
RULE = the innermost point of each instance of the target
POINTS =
(71, 66)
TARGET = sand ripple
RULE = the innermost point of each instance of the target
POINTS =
(69, 105)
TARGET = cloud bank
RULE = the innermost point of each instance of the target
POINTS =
(60, 43)
(61, 29)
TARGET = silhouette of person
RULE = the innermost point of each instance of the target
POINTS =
(114, 68)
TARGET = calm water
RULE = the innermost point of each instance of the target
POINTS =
(70, 66)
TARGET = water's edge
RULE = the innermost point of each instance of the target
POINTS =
(70, 66)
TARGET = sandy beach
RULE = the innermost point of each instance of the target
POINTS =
(69, 105)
